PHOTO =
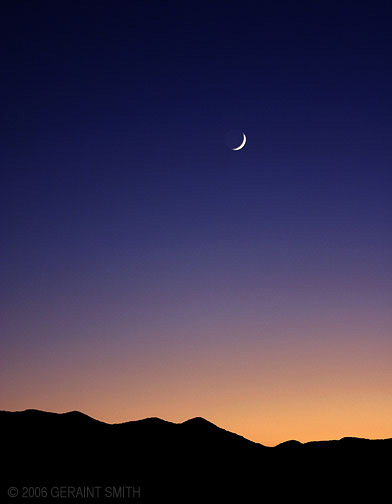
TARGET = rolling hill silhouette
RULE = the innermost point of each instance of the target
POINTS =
(153, 460)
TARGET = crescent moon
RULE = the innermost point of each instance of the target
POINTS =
(242, 143)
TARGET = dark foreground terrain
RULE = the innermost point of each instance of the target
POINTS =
(70, 457)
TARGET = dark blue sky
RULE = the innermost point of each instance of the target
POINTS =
(124, 215)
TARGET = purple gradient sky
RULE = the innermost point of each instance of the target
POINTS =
(147, 269)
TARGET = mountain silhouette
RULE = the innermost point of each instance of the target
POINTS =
(159, 461)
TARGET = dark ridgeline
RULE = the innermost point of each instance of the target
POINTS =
(194, 460)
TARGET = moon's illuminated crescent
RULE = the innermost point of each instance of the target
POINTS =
(242, 143)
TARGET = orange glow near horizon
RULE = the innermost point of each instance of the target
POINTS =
(312, 388)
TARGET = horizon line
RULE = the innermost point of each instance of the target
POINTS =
(198, 418)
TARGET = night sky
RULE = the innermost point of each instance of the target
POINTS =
(149, 270)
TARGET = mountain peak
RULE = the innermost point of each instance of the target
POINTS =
(292, 443)
(75, 414)
(198, 421)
